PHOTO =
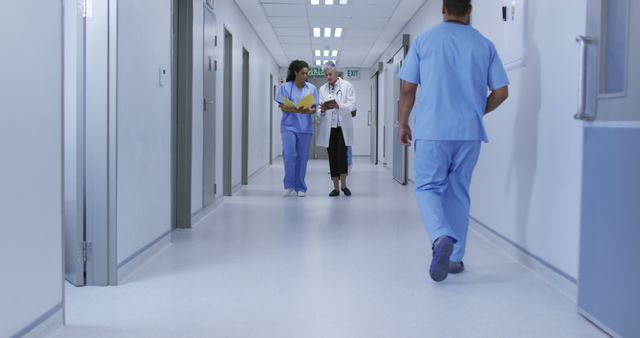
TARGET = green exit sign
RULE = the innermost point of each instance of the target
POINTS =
(353, 74)
(316, 71)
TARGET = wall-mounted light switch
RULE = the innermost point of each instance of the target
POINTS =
(162, 76)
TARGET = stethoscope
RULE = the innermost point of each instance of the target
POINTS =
(338, 92)
(291, 90)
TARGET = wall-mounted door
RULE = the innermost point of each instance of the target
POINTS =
(372, 119)
(209, 118)
(610, 96)
(244, 177)
(399, 151)
(227, 114)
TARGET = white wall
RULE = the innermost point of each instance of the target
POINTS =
(31, 170)
(144, 124)
(361, 137)
(527, 182)
(261, 65)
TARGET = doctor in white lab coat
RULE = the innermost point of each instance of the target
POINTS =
(335, 131)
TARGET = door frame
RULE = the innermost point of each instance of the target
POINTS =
(183, 110)
(245, 116)
(227, 118)
(372, 117)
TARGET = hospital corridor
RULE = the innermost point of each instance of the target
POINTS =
(269, 168)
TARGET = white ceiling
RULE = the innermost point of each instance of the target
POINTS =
(369, 26)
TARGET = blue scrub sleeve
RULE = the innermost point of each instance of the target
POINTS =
(497, 75)
(410, 70)
(283, 91)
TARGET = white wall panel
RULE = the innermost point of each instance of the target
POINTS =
(31, 170)
(144, 124)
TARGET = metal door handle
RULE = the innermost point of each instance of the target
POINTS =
(206, 103)
(582, 97)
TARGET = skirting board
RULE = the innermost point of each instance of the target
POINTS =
(547, 272)
(50, 321)
(142, 256)
(202, 214)
(598, 324)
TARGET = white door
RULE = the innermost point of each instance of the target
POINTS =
(209, 120)
(372, 119)
(399, 151)
(610, 86)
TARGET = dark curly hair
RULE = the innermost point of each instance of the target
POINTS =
(295, 66)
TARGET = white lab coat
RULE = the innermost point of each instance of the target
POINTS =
(346, 98)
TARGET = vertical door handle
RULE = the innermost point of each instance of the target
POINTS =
(582, 97)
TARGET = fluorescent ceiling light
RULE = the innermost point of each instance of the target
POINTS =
(316, 32)
(315, 2)
(328, 2)
(334, 53)
(326, 52)
(338, 32)
(327, 32)
(318, 63)
(342, 2)
(334, 61)
(317, 52)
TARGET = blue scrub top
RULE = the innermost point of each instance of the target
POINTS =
(299, 123)
(454, 66)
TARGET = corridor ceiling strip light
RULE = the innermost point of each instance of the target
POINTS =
(318, 52)
(327, 32)
(338, 32)
(318, 63)
(329, 2)
(326, 52)
(316, 32)
(334, 53)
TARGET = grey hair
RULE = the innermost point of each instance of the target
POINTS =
(329, 65)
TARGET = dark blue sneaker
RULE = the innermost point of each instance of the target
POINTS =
(442, 249)
(456, 267)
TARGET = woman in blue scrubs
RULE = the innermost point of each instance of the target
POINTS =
(296, 127)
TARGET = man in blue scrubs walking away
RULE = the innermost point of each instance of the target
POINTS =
(455, 67)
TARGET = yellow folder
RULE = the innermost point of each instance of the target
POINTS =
(305, 103)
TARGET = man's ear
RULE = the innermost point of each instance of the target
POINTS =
(470, 9)
(444, 9)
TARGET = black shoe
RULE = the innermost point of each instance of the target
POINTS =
(334, 193)
(346, 191)
(456, 267)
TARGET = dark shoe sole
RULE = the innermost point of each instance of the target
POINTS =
(334, 193)
(346, 191)
(439, 268)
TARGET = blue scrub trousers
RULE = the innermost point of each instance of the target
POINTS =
(349, 156)
(295, 153)
(443, 171)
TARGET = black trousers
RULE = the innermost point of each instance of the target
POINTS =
(337, 153)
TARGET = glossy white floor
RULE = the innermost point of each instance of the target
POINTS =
(266, 266)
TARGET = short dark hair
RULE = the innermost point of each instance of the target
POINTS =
(457, 7)
(295, 66)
